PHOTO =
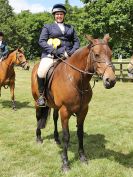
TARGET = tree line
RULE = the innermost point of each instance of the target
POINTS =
(96, 17)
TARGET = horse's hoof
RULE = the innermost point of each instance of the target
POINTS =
(65, 168)
(83, 159)
(39, 140)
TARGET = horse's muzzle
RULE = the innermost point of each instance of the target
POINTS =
(109, 83)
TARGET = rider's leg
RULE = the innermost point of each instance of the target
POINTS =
(44, 65)
(41, 87)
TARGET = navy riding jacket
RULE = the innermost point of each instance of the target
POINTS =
(3, 49)
(69, 40)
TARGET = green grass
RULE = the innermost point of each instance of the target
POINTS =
(108, 139)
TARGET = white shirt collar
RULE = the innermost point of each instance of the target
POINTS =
(61, 26)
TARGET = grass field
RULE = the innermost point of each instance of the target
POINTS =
(108, 138)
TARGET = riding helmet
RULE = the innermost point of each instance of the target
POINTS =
(59, 8)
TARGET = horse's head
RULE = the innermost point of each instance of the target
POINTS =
(21, 60)
(130, 67)
(100, 55)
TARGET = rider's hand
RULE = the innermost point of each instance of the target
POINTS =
(54, 52)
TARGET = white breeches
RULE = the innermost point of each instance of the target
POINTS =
(44, 66)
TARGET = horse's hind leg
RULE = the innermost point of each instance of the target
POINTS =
(12, 87)
(66, 137)
(80, 133)
(55, 118)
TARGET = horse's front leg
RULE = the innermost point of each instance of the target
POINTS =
(66, 137)
(80, 133)
(12, 87)
(56, 134)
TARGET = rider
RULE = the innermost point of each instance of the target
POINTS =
(3, 47)
(57, 39)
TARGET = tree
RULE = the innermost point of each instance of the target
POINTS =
(113, 17)
(7, 20)
(28, 30)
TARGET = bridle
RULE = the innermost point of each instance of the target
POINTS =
(94, 60)
(91, 58)
(21, 63)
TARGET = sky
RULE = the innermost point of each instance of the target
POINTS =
(36, 6)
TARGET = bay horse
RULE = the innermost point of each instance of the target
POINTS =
(71, 92)
(130, 67)
(7, 73)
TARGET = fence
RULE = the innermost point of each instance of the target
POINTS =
(121, 70)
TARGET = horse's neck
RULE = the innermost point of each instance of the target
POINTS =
(81, 61)
(9, 61)
(79, 58)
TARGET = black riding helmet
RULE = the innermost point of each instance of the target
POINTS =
(59, 8)
(1, 33)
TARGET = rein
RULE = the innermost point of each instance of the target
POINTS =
(92, 57)
(74, 67)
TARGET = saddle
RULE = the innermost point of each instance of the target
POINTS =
(49, 78)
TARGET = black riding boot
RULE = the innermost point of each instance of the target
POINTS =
(41, 87)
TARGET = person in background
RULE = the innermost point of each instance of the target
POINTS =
(56, 40)
(3, 47)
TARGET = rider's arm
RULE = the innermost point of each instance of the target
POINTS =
(44, 36)
(5, 52)
(76, 43)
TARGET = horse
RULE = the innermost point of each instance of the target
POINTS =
(130, 67)
(7, 73)
(70, 91)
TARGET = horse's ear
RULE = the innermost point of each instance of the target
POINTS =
(106, 38)
(89, 38)
(22, 49)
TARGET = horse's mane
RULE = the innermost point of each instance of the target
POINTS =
(78, 50)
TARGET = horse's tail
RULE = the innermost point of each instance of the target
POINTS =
(42, 115)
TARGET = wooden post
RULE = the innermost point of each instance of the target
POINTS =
(121, 71)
